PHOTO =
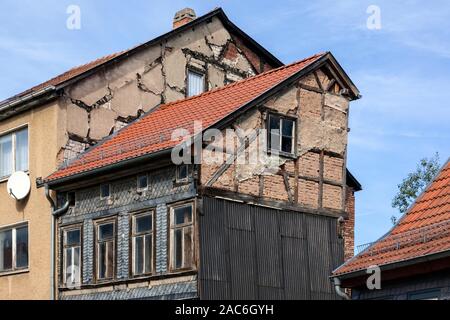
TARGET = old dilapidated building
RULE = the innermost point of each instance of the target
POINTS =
(135, 224)
(76, 110)
(53, 122)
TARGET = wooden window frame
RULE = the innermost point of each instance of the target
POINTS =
(172, 228)
(13, 132)
(65, 246)
(97, 224)
(13, 228)
(133, 235)
(282, 117)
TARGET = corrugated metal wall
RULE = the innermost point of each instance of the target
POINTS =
(252, 252)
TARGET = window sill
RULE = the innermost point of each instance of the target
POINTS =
(12, 273)
(282, 154)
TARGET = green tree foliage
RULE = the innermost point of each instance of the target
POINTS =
(415, 183)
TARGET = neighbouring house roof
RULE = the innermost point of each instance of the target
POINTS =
(152, 133)
(86, 69)
(423, 231)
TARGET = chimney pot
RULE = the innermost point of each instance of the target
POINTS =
(183, 16)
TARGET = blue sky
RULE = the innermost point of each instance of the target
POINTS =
(402, 69)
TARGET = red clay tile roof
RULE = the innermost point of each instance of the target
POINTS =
(423, 230)
(152, 133)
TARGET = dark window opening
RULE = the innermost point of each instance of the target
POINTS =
(105, 191)
(142, 182)
(182, 173)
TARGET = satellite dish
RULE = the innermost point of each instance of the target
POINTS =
(18, 185)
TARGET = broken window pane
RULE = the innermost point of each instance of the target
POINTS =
(6, 249)
(196, 83)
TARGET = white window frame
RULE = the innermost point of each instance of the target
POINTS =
(13, 229)
(173, 228)
(198, 73)
(269, 137)
(64, 247)
(135, 235)
(13, 133)
(98, 224)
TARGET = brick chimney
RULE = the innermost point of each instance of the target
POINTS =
(183, 16)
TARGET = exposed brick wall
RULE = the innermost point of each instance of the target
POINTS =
(274, 188)
(332, 197)
(333, 168)
(308, 193)
(349, 224)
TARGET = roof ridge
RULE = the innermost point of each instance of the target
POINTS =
(239, 82)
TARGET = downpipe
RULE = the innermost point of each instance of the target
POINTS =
(340, 292)
(55, 214)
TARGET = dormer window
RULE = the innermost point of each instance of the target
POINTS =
(195, 83)
(13, 152)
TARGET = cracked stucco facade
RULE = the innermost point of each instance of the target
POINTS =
(113, 97)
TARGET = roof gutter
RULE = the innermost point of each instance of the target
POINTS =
(8, 104)
(106, 169)
(337, 287)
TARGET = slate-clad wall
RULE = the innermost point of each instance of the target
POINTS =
(438, 282)
(125, 200)
(252, 252)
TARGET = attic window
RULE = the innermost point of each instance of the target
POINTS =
(182, 174)
(196, 83)
(281, 136)
(105, 191)
(142, 182)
